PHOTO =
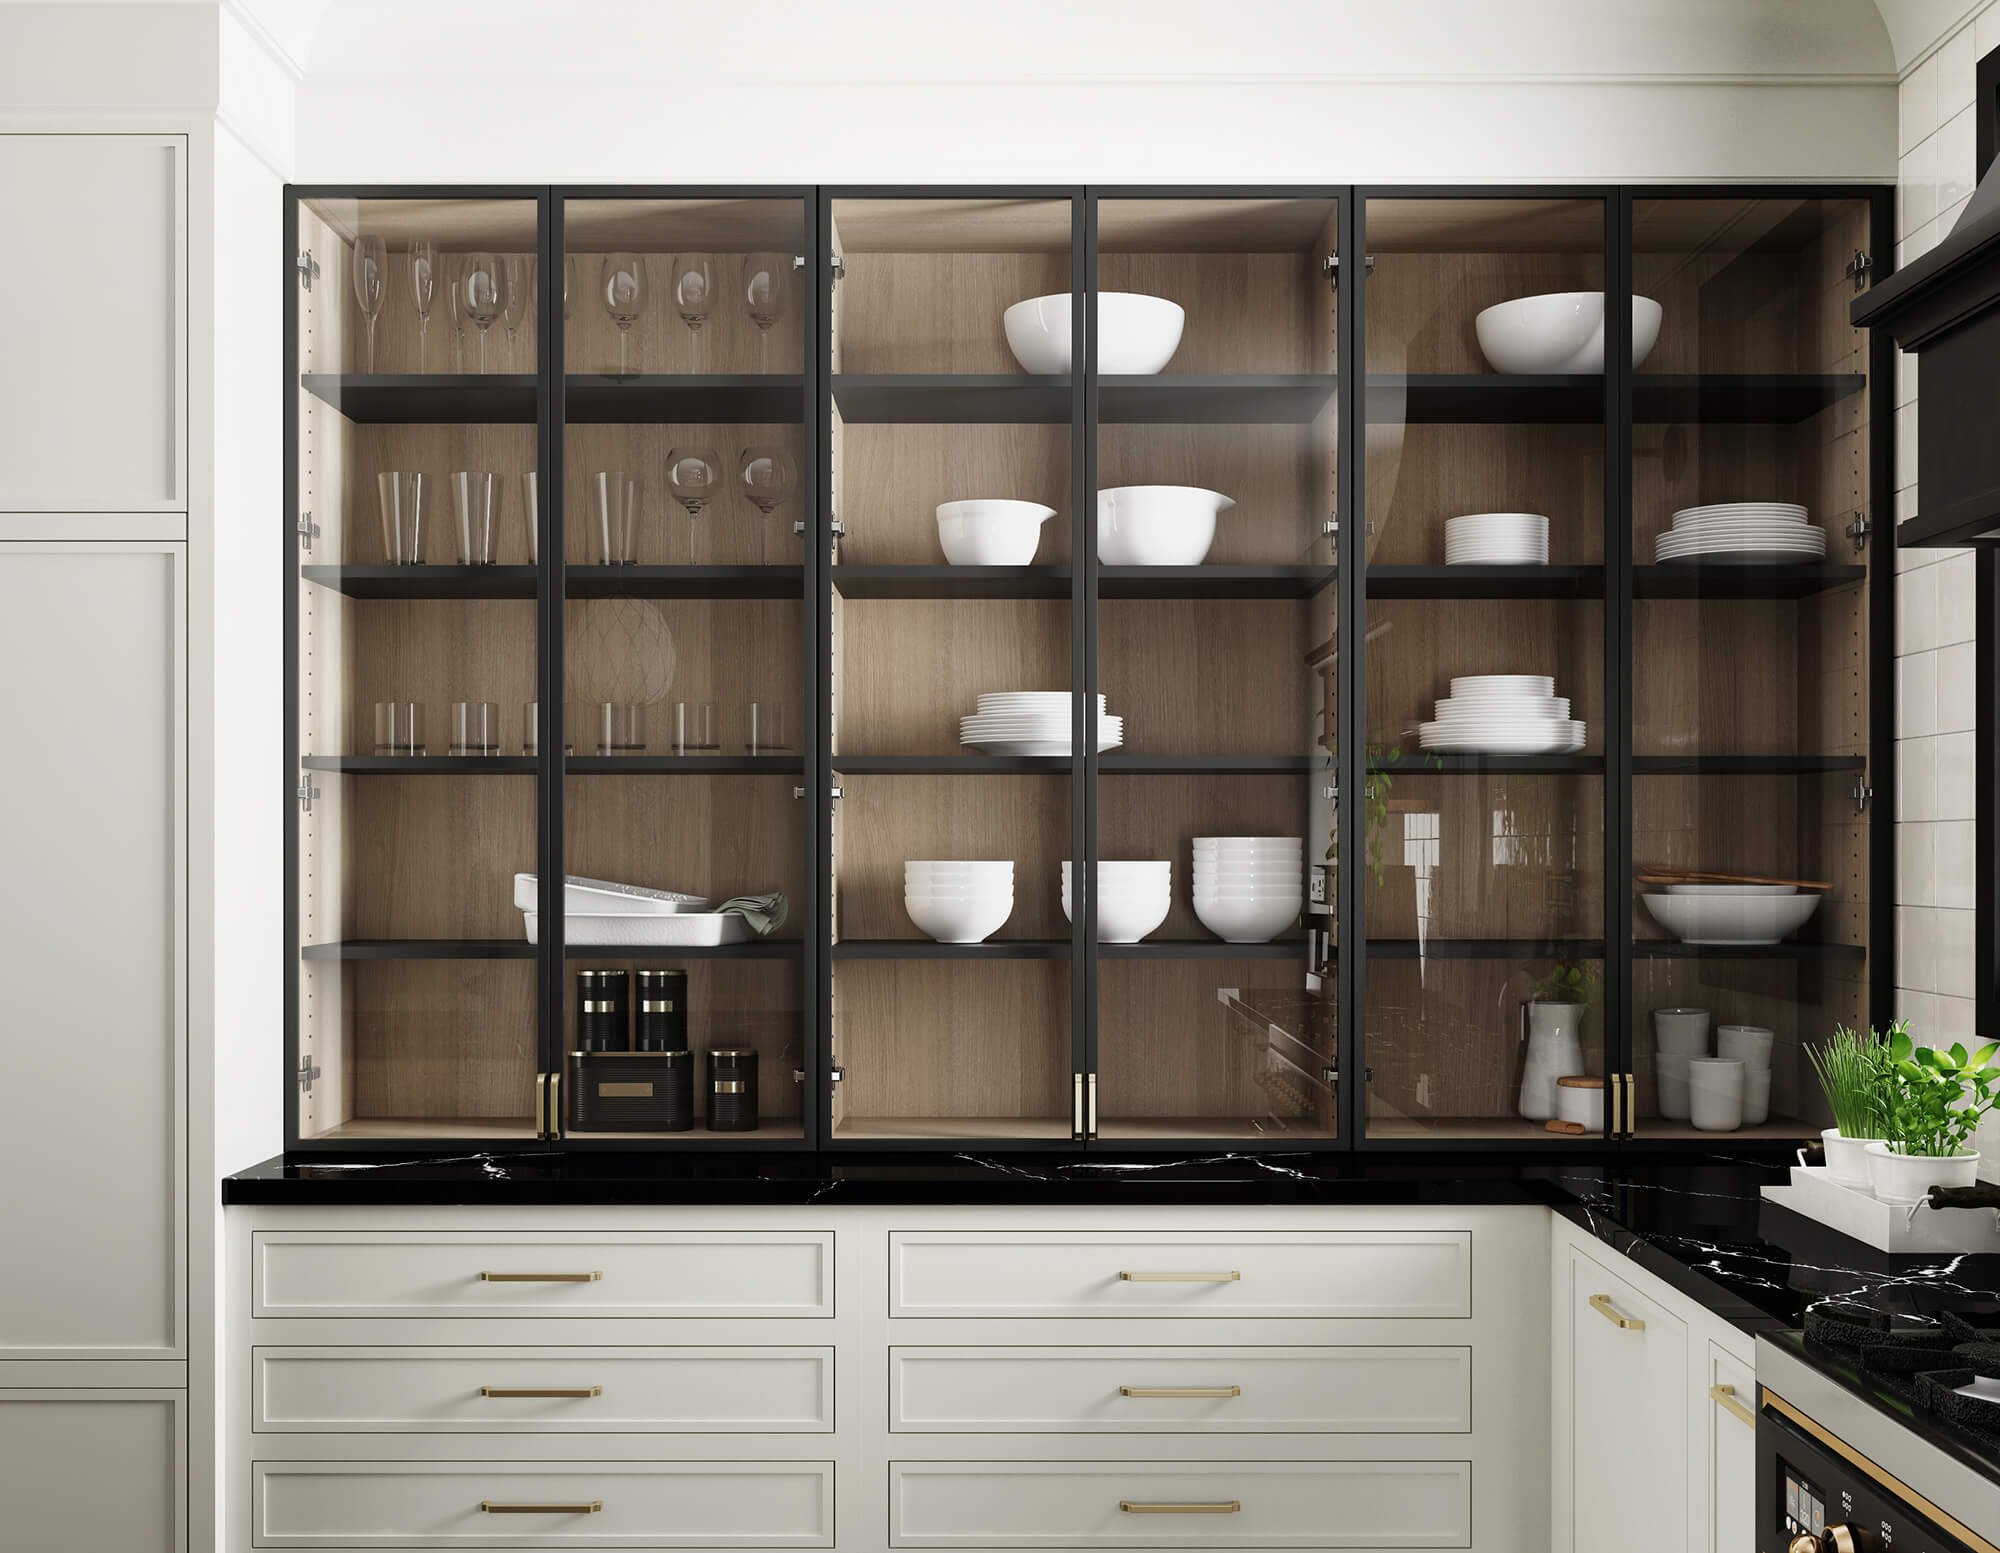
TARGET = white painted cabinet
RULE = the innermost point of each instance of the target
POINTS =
(93, 1471)
(93, 324)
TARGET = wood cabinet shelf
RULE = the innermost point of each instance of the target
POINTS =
(1232, 398)
(684, 582)
(427, 582)
(749, 949)
(435, 398)
(1495, 398)
(425, 765)
(1213, 582)
(953, 582)
(1741, 582)
(1745, 765)
(929, 949)
(422, 949)
(952, 399)
(688, 765)
(949, 765)
(686, 399)
(1486, 582)
(1673, 949)
(1486, 948)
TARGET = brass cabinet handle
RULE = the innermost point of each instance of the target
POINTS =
(1180, 1391)
(1196, 1507)
(1724, 1397)
(1601, 1303)
(540, 1277)
(541, 1391)
(1180, 1277)
(579, 1507)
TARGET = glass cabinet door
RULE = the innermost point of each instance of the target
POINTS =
(689, 670)
(415, 649)
(1482, 824)
(1751, 652)
(1213, 518)
(953, 638)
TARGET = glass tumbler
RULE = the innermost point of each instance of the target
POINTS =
(621, 728)
(615, 538)
(766, 734)
(475, 727)
(474, 496)
(694, 728)
(401, 495)
(399, 728)
(531, 727)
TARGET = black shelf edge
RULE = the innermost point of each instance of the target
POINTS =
(1234, 398)
(1673, 949)
(1195, 765)
(928, 949)
(1660, 581)
(427, 582)
(684, 582)
(952, 582)
(1745, 765)
(431, 398)
(1213, 582)
(424, 765)
(948, 765)
(422, 949)
(643, 398)
(1491, 765)
(1486, 582)
(719, 764)
(952, 399)
(749, 949)
(1779, 398)
(1486, 948)
(1494, 398)
(1205, 949)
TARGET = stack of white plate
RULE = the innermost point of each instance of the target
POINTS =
(1031, 722)
(1132, 899)
(1742, 533)
(1497, 539)
(1248, 889)
(958, 903)
(1502, 714)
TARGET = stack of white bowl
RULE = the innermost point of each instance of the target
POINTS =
(1248, 889)
(1742, 533)
(1679, 1036)
(1132, 899)
(1497, 539)
(1502, 714)
(1731, 913)
(1031, 722)
(958, 903)
(1751, 1046)
(990, 531)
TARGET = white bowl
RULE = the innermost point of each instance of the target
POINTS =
(960, 922)
(991, 532)
(1135, 334)
(1127, 917)
(959, 865)
(1138, 873)
(972, 890)
(1518, 684)
(1731, 919)
(1157, 525)
(1559, 332)
(1294, 842)
(1247, 922)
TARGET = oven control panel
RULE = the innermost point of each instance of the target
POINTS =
(1823, 1506)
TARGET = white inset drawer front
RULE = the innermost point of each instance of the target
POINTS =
(1386, 1273)
(543, 1390)
(539, 1504)
(1181, 1390)
(1249, 1504)
(367, 1273)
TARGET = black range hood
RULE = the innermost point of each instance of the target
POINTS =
(1946, 309)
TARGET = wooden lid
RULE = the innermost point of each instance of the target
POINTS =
(1580, 1081)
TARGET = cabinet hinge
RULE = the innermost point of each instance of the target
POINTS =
(305, 792)
(1858, 268)
(833, 1075)
(308, 531)
(839, 267)
(1861, 792)
(308, 268)
(1330, 267)
(1858, 530)
(834, 527)
(798, 261)
(308, 1071)
(836, 793)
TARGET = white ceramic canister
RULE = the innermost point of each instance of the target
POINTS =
(1715, 1093)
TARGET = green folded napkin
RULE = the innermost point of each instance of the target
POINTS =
(764, 913)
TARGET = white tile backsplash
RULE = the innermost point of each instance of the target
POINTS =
(1917, 105)
(1956, 796)
(1986, 33)
(1917, 188)
(1957, 590)
(1956, 684)
(1956, 165)
(1916, 866)
(1957, 72)
(1906, 446)
(1914, 1006)
(1954, 849)
(1906, 509)
(1917, 244)
(1916, 948)
(1906, 377)
(1917, 610)
(1916, 695)
(1954, 1019)
(1916, 779)
(1952, 953)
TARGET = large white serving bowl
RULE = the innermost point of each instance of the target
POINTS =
(1731, 919)
(1559, 332)
(1136, 334)
(989, 531)
(1126, 916)
(1732, 889)
(1246, 922)
(960, 922)
(1157, 525)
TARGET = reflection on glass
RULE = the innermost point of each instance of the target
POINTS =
(768, 477)
(371, 274)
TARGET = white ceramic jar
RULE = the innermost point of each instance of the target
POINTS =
(1580, 1099)
(1715, 1093)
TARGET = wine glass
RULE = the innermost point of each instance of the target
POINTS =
(520, 272)
(623, 292)
(694, 293)
(768, 478)
(483, 294)
(693, 474)
(423, 292)
(767, 292)
(371, 274)
(454, 292)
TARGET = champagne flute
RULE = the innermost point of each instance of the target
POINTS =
(454, 291)
(694, 294)
(423, 292)
(767, 292)
(520, 272)
(768, 477)
(484, 294)
(623, 292)
(371, 274)
(693, 474)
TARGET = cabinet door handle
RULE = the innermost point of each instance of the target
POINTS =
(1170, 1507)
(1724, 1397)
(1180, 1391)
(540, 1277)
(541, 1391)
(1180, 1277)
(1601, 1303)
(579, 1507)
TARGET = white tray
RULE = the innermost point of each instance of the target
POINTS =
(1886, 1226)
(604, 898)
(687, 929)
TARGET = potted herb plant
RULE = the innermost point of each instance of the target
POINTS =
(1849, 1071)
(1932, 1101)
(1556, 1006)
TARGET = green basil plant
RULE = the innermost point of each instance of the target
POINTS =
(1932, 1101)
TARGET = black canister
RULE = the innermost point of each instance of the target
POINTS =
(660, 1012)
(632, 1092)
(602, 1001)
(732, 1089)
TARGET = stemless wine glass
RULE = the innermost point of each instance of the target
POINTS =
(768, 478)
(401, 495)
(694, 294)
(371, 274)
(475, 499)
(520, 272)
(484, 294)
(767, 292)
(623, 291)
(423, 292)
(693, 475)
(617, 533)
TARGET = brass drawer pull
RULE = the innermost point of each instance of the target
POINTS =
(580, 1507)
(541, 1391)
(1724, 1397)
(1180, 1391)
(540, 1277)
(1197, 1507)
(1601, 1303)
(1181, 1277)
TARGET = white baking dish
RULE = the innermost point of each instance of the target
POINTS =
(687, 929)
(605, 898)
